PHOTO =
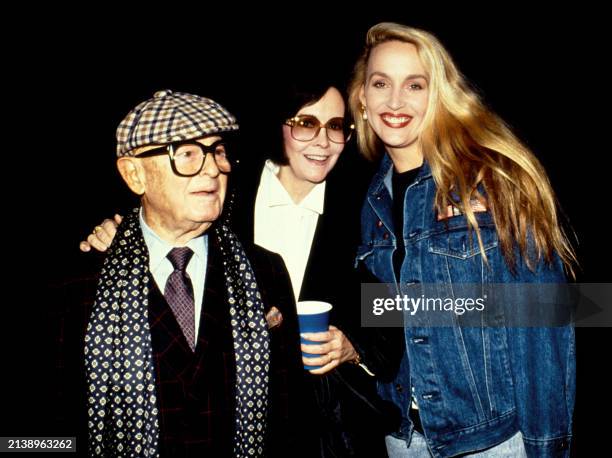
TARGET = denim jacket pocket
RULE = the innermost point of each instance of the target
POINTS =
(455, 257)
(462, 243)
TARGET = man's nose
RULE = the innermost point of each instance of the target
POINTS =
(210, 167)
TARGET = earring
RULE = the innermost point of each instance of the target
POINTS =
(364, 115)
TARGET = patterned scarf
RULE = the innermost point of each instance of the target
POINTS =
(123, 414)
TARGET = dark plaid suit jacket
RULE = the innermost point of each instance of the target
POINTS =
(195, 390)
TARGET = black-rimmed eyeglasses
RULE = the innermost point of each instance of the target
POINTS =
(187, 157)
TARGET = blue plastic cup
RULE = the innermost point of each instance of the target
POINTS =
(313, 316)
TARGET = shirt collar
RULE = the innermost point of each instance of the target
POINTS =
(159, 249)
(277, 195)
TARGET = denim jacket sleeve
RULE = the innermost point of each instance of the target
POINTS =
(543, 369)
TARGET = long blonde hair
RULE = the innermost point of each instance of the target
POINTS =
(468, 146)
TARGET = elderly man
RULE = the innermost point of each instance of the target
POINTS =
(179, 360)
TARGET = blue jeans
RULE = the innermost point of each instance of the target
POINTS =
(397, 448)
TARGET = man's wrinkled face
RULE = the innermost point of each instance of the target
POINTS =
(178, 202)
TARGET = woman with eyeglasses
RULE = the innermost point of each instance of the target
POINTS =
(459, 200)
(299, 206)
(304, 210)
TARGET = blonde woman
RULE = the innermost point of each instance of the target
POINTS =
(459, 199)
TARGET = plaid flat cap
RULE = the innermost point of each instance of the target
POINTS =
(169, 117)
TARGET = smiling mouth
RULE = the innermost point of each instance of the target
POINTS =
(316, 158)
(396, 121)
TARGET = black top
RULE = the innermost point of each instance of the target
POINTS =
(399, 184)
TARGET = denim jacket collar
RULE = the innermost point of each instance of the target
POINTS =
(380, 194)
(385, 173)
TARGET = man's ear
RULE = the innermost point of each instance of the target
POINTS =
(132, 173)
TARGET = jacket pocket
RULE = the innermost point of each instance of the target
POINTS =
(454, 258)
(461, 243)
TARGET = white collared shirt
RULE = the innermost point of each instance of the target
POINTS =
(284, 227)
(161, 267)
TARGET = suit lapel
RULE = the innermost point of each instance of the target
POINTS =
(309, 288)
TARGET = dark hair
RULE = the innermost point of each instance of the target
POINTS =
(300, 91)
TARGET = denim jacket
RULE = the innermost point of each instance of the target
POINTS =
(475, 386)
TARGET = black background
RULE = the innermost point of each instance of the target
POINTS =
(75, 77)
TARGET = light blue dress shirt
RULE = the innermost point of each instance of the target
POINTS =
(161, 267)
